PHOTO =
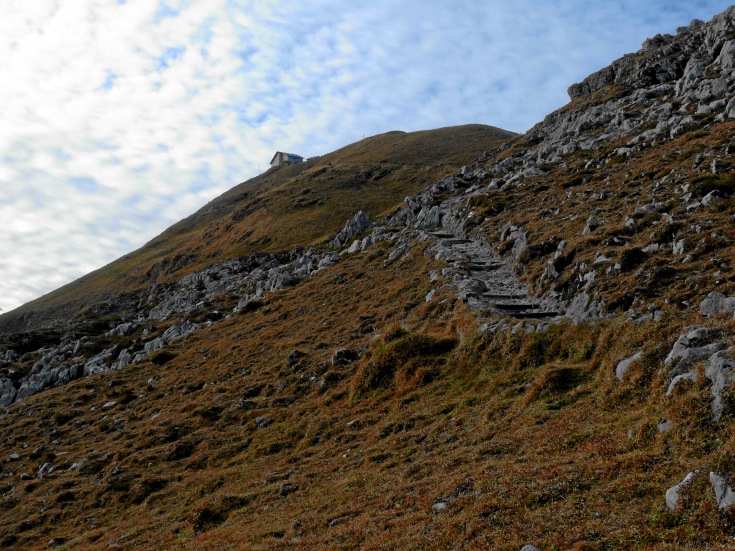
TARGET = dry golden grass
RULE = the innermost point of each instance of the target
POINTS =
(526, 438)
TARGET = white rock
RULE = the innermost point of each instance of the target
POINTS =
(723, 494)
(718, 370)
(624, 365)
(717, 303)
(672, 494)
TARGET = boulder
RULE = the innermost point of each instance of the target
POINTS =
(717, 303)
(723, 493)
(673, 493)
(45, 470)
(7, 392)
(592, 225)
(263, 422)
(354, 226)
(694, 345)
(718, 370)
(624, 365)
(726, 59)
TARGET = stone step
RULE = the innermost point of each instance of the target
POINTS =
(514, 306)
(491, 297)
(536, 314)
(455, 241)
(483, 266)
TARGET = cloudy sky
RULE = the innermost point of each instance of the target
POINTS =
(118, 118)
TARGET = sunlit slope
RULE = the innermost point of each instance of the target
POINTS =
(284, 207)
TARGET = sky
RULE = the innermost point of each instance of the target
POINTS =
(120, 117)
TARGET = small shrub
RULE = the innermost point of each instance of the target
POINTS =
(181, 450)
(64, 416)
(532, 252)
(630, 258)
(162, 357)
(488, 205)
(416, 355)
(506, 246)
(125, 396)
(724, 185)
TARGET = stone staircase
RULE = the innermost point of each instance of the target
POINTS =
(486, 282)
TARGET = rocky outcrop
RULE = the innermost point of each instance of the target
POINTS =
(354, 227)
(252, 277)
(654, 94)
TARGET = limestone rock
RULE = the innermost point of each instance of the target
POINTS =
(673, 493)
(592, 225)
(45, 470)
(355, 226)
(723, 493)
(7, 392)
(727, 55)
(624, 365)
(719, 370)
(263, 422)
(694, 345)
(717, 303)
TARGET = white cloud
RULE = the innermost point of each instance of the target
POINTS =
(118, 119)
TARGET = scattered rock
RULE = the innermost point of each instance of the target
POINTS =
(294, 356)
(335, 521)
(723, 493)
(439, 506)
(7, 392)
(624, 365)
(263, 422)
(345, 356)
(693, 346)
(673, 493)
(354, 227)
(719, 370)
(45, 470)
(592, 225)
(717, 303)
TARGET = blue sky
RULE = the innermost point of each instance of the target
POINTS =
(121, 117)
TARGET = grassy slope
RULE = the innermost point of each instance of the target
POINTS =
(527, 438)
(282, 208)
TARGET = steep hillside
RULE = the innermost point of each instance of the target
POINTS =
(535, 349)
(282, 208)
